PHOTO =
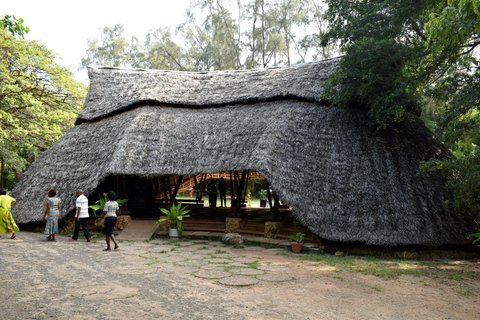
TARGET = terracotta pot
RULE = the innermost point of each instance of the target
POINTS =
(296, 246)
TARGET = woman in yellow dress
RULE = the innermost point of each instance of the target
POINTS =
(52, 209)
(7, 224)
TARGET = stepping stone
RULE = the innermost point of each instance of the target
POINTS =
(275, 277)
(189, 263)
(104, 292)
(239, 281)
(247, 271)
(238, 264)
(187, 255)
(170, 259)
(222, 255)
(219, 261)
(246, 259)
(218, 267)
(273, 268)
(162, 248)
(134, 270)
(171, 269)
(152, 255)
(205, 251)
(212, 274)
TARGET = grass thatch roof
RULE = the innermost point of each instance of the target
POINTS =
(344, 181)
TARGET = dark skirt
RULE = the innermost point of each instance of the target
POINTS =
(108, 226)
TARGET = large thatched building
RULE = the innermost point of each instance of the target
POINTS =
(344, 181)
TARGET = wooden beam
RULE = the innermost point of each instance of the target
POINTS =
(177, 186)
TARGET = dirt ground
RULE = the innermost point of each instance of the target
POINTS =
(208, 280)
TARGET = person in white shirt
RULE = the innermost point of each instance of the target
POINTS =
(81, 216)
(110, 212)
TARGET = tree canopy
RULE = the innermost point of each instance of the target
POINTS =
(221, 35)
(13, 25)
(405, 55)
(39, 101)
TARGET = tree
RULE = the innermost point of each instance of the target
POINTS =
(384, 43)
(13, 25)
(212, 44)
(221, 35)
(453, 38)
(403, 54)
(161, 52)
(39, 101)
(112, 49)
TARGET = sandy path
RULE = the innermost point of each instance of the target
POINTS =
(156, 280)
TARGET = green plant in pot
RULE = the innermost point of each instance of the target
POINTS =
(262, 195)
(296, 241)
(176, 214)
(99, 205)
(476, 235)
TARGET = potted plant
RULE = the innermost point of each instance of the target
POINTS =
(476, 235)
(296, 241)
(262, 195)
(175, 215)
(99, 205)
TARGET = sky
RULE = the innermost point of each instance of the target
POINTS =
(65, 26)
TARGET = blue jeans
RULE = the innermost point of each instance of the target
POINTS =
(83, 222)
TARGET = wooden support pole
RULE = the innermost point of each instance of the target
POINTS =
(267, 185)
(177, 186)
(125, 192)
(202, 186)
(165, 191)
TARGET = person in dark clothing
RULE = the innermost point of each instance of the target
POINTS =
(222, 187)
(212, 194)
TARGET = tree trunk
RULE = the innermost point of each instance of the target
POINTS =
(2, 173)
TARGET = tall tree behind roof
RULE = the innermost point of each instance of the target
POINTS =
(221, 35)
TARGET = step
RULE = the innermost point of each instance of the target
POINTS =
(203, 222)
(203, 229)
(260, 233)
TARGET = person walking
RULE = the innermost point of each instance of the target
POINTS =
(81, 216)
(52, 209)
(7, 224)
(110, 211)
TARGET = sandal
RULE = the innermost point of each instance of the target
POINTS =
(13, 236)
(108, 249)
(116, 248)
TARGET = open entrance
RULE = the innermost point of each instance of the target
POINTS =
(212, 199)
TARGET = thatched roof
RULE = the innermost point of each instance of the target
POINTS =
(344, 181)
